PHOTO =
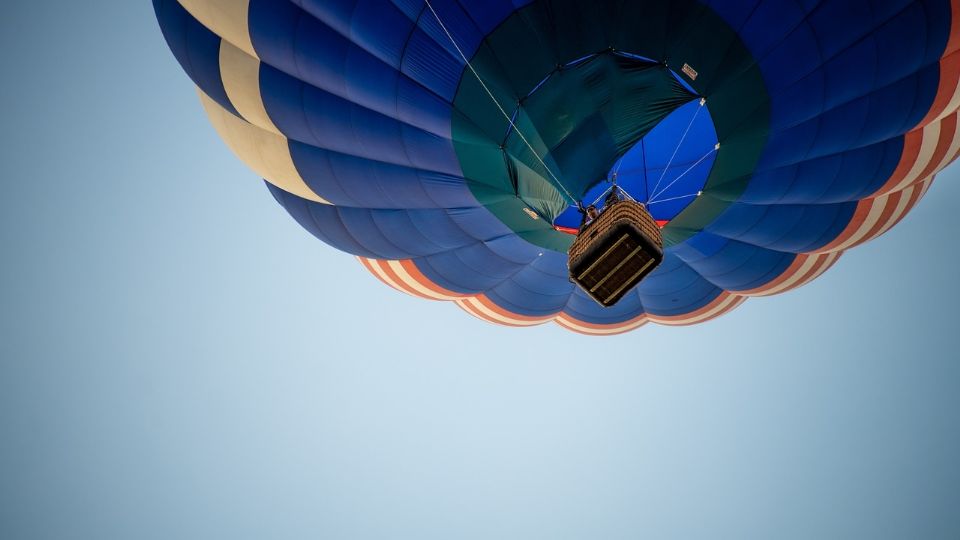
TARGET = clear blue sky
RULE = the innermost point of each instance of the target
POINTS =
(178, 359)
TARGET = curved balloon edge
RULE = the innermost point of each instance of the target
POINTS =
(929, 147)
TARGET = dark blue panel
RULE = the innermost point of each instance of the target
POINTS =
(791, 228)
(533, 291)
(304, 48)
(195, 47)
(346, 180)
(735, 266)
(586, 309)
(848, 176)
(325, 120)
(383, 36)
(327, 227)
(470, 270)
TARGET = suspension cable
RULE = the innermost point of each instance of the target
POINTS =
(697, 194)
(684, 173)
(677, 148)
(595, 201)
(497, 103)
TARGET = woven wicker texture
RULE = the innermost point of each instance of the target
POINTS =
(613, 215)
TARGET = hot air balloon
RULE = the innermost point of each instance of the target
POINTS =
(451, 144)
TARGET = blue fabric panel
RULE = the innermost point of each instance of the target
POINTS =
(867, 120)
(799, 52)
(674, 288)
(301, 46)
(419, 232)
(848, 176)
(533, 291)
(327, 121)
(515, 249)
(791, 228)
(387, 234)
(735, 265)
(196, 48)
(474, 268)
(465, 280)
(762, 25)
(539, 278)
(429, 63)
(347, 180)
(383, 36)
(480, 223)
(487, 14)
(586, 309)
(327, 227)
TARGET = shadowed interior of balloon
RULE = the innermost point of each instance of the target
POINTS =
(604, 116)
(551, 101)
(666, 169)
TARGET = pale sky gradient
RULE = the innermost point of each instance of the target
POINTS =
(178, 359)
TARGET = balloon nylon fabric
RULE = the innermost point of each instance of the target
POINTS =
(832, 119)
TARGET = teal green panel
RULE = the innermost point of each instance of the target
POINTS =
(570, 79)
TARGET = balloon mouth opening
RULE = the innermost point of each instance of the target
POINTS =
(667, 169)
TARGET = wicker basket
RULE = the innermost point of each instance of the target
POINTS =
(614, 252)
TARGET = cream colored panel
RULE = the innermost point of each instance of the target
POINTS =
(226, 18)
(240, 73)
(493, 316)
(268, 154)
(613, 329)
(873, 216)
(788, 283)
(928, 146)
(728, 303)
(411, 282)
(898, 212)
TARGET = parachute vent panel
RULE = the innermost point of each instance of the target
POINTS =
(613, 253)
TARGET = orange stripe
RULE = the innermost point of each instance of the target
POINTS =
(948, 129)
(819, 268)
(926, 185)
(859, 216)
(576, 330)
(836, 257)
(891, 202)
(808, 273)
(788, 273)
(478, 313)
(713, 303)
(953, 44)
(399, 281)
(489, 304)
(736, 303)
(598, 326)
(690, 319)
(949, 79)
(918, 192)
(678, 319)
(949, 66)
(954, 157)
(911, 151)
(417, 275)
(586, 332)
(368, 264)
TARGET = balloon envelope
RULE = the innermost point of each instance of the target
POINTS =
(767, 136)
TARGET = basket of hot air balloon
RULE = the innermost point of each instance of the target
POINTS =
(615, 251)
